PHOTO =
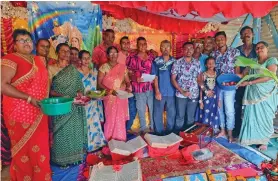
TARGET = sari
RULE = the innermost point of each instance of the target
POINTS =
(115, 109)
(94, 114)
(260, 102)
(26, 124)
(68, 130)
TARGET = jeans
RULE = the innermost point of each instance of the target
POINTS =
(142, 100)
(185, 106)
(158, 110)
(132, 112)
(227, 109)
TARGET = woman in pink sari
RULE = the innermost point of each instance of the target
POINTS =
(112, 76)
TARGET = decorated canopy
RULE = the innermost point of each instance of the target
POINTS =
(184, 17)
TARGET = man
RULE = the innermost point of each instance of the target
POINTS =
(73, 53)
(42, 49)
(208, 48)
(247, 50)
(164, 90)
(225, 64)
(137, 64)
(184, 78)
(125, 50)
(74, 57)
(122, 58)
(198, 48)
(99, 53)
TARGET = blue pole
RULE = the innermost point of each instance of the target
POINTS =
(257, 26)
(272, 29)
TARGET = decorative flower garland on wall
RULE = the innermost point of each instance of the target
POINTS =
(211, 26)
(9, 11)
(126, 25)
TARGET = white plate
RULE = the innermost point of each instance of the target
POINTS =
(123, 94)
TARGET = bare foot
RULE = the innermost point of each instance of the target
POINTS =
(230, 136)
(231, 140)
(263, 148)
(221, 134)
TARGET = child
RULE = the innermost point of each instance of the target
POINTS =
(209, 102)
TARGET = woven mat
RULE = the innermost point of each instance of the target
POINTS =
(162, 167)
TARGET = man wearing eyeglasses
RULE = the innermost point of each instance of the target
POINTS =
(164, 90)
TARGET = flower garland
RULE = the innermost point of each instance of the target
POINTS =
(9, 11)
(117, 25)
(126, 25)
(211, 26)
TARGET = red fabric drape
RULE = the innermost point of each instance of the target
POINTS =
(153, 20)
(206, 9)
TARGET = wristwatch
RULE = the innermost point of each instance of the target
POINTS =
(200, 101)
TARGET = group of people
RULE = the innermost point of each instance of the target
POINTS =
(185, 88)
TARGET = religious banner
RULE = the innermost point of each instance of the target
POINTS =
(76, 23)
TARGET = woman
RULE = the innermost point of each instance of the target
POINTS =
(112, 76)
(94, 110)
(24, 81)
(68, 130)
(260, 100)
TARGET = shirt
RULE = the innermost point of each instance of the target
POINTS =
(187, 74)
(121, 58)
(252, 54)
(138, 67)
(202, 60)
(162, 70)
(225, 63)
(99, 55)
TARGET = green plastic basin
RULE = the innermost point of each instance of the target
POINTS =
(56, 106)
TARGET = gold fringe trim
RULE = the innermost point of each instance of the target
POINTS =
(247, 102)
(255, 142)
(8, 63)
(28, 75)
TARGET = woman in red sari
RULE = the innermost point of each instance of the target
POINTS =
(112, 76)
(24, 81)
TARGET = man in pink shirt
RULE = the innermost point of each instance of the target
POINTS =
(137, 64)
(99, 53)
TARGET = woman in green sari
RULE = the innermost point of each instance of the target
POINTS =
(260, 100)
(68, 130)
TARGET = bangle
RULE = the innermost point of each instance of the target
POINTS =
(200, 101)
(29, 99)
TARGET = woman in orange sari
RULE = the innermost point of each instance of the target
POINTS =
(24, 81)
(112, 76)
